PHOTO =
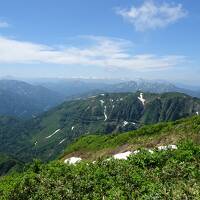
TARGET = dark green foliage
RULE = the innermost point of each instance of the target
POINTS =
(162, 175)
(9, 165)
(15, 137)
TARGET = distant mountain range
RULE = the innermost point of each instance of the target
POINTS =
(72, 88)
(46, 136)
(143, 85)
(150, 86)
(21, 99)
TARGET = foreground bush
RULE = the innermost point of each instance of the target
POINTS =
(161, 175)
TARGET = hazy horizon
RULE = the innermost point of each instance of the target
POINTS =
(148, 39)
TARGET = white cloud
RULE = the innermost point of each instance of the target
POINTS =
(151, 15)
(100, 51)
(4, 24)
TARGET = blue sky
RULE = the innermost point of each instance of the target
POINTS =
(151, 39)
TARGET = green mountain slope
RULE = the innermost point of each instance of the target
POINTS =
(46, 136)
(93, 147)
(9, 165)
(170, 174)
(105, 114)
(15, 138)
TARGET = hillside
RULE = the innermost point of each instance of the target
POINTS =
(108, 113)
(161, 173)
(93, 147)
(46, 136)
(25, 100)
(9, 165)
(15, 138)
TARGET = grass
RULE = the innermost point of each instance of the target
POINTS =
(94, 146)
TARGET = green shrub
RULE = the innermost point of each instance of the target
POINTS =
(172, 174)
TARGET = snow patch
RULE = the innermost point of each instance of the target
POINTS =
(150, 151)
(53, 134)
(141, 98)
(123, 156)
(136, 152)
(92, 97)
(62, 141)
(72, 160)
(197, 113)
(172, 146)
(160, 148)
(125, 123)
(106, 117)
(102, 102)
(88, 108)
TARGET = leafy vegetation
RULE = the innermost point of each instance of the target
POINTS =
(102, 114)
(172, 174)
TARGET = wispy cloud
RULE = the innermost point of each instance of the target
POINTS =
(151, 15)
(4, 24)
(100, 51)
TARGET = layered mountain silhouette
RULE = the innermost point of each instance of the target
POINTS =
(18, 98)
